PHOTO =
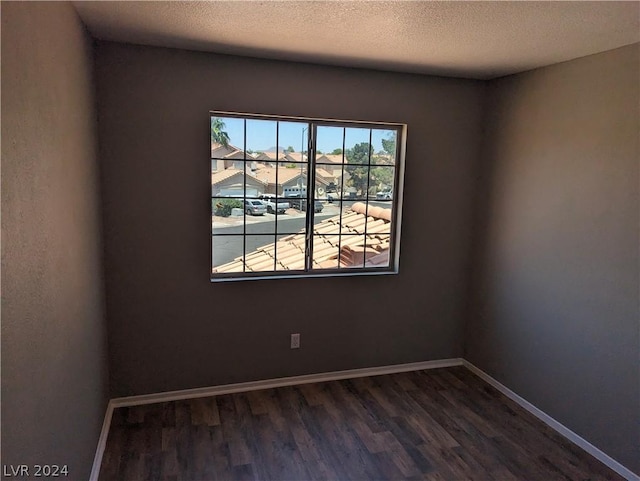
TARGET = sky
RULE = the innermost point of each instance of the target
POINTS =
(261, 135)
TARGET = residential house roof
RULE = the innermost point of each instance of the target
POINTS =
(269, 156)
(268, 175)
(324, 175)
(238, 155)
(295, 156)
(331, 158)
(226, 174)
(285, 175)
(219, 151)
(330, 249)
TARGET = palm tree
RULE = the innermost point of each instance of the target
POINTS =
(217, 132)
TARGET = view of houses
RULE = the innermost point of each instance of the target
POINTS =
(279, 173)
(285, 173)
(259, 220)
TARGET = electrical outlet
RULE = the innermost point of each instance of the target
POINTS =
(295, 341)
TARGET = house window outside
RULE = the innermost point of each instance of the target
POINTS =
(295, 197)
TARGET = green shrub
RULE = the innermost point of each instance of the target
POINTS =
(223, 207)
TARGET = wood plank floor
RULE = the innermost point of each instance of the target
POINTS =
(440, 424)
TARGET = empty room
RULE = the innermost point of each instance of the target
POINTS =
(320, 240)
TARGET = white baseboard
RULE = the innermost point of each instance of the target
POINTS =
(557, 426)
(102, 442)
(348, 374)
(280, 382)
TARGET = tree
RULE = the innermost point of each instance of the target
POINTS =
(336, 152)
(358, 176)
(290, 149)
(389, 144)
(381, 178)
(218, 133)
(360, 153)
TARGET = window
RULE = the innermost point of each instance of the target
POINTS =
(304, 197)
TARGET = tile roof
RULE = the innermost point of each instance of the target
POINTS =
(219, 150)
(331, 250)
(270, 156)
(282, 156)
(295, 156)
(336, 159)
(238, 155)
(231, 152)
(324, 174)
(226, 174)
(268, 174)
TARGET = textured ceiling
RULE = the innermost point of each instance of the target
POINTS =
(462, 39)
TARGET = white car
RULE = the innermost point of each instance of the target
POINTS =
(270, 201)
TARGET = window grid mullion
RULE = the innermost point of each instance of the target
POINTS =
(244, 198)
(311, 149)
(366, 204)
(344, 158)
(275, 230)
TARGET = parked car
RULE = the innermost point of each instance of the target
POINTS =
(301, 204)
(254, 207)
(297, 203)
(384, 195)
(270, 201)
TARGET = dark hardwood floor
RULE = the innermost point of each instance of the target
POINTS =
(441, 424)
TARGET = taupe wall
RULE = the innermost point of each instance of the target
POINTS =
(169, 327)
(555, 310)
(54, 373)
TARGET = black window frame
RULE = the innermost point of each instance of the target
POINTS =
(311, 166)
